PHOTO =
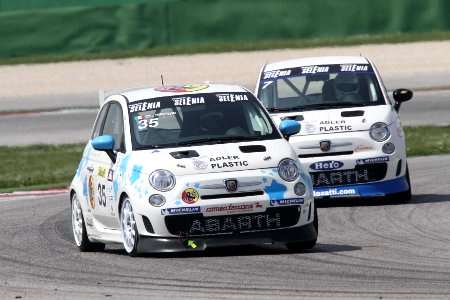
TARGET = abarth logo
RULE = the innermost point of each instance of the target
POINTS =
(231, 185)
(190, 196)
(325, 145)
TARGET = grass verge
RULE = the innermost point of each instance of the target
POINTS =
(38, 166)
(43, 167)
(427, 140)
(217, 47)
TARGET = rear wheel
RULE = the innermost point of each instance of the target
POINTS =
(130, 234)
(299, 246)
(79, 229)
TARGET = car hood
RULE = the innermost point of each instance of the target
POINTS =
(212, 158)
(338, 120)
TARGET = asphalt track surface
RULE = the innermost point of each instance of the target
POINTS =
(370, 249)
(74, 125)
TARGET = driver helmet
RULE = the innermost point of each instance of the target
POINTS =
(347, 86)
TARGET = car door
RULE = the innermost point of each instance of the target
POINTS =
(103, 168)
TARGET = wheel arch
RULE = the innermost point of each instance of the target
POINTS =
(122, 197)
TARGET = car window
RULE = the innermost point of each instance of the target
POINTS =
(320, 87)
(177, 121)
(99, 122)
(114, 126)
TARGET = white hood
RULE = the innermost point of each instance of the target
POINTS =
(213, 158)
(338, 120)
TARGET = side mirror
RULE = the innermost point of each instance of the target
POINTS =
(105, 143)
(400, 96)
(289, 127)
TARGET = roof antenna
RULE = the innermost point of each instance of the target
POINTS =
(162, 80)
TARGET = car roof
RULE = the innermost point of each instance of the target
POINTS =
(152, 92)
(314, 61)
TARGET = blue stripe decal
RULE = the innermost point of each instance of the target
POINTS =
(374, 189)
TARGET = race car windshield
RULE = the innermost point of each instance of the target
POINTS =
(319, 87)
(198, 119)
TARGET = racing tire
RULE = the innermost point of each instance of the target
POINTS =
(130, 234)
(404, 197)
(79, 229)
(300, 246)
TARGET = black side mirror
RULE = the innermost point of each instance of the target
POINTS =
(400, 96)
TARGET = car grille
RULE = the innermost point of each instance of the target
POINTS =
(360, 174)
(323, 154)
(197, 224)
(232, 195)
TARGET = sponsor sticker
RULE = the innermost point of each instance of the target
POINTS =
(326, 165)
(187, 88)
(228, 161)
(188, 100)
(276, 73)
(110, 175)
(334, 126)
(285, 202)
(190, 196)
(143, 106)
(231, 97)
(232, 208)
(354, 68)
(315, 69)
(91, 191)
(180, 210)
(373, 160)
(101, 172)
(336, 192)
(361, 148)
(200, 163)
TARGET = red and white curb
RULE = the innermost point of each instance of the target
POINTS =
(33, 193)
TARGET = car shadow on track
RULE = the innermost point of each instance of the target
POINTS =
(245, 250)
(350, 202)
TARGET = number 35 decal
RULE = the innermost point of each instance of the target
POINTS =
(144, 123)
(101, 195)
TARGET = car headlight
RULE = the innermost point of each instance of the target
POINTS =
(299, 189)
(162, 180)
(288, 169)
(157, 200)
(379, 132)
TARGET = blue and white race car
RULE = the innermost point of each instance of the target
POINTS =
(351, 139)
(183, 168)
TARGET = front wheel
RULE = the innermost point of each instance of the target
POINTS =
(404, 197)
(130, 234)
(299, 246)
(79, 229)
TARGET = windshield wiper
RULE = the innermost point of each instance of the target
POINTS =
(333, 105)
(281, 109)
(315, 106)
(217, 140)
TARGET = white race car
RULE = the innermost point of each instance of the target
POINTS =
(183, 168)
(351, 139)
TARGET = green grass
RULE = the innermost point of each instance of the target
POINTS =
(235, 46)
(38, 166)
(427, 140)
(42, 167)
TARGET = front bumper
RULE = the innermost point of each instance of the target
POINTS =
(373, 189)
(304, 233)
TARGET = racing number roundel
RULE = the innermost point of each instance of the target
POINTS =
(190, 196)
(91, 192)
